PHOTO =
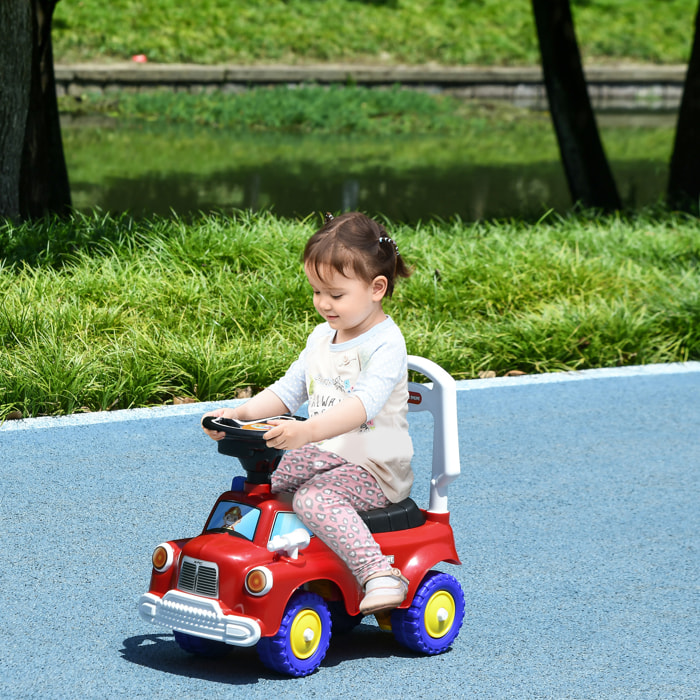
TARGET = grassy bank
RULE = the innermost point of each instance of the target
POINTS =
(449, 32)
(335, 110)
(109, 313)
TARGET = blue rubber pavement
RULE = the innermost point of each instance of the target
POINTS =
(577, 519)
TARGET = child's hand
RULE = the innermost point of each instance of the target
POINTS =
(287, 434)
(219, 413)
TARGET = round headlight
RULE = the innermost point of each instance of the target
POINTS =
(162, 558)
(258, 581)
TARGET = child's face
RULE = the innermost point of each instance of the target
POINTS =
(350, 305)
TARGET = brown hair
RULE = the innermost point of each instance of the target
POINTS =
(356, 244)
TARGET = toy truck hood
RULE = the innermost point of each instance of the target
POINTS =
(221, 546)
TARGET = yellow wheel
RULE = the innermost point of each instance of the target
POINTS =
(305, 634)
(439, 614)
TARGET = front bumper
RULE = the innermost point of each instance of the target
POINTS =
(201, 617)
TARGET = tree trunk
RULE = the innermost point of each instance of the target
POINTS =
(44, 186)
(684, 175)
(589, 176)
(15, 76)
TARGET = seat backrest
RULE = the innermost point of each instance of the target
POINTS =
(440, 398)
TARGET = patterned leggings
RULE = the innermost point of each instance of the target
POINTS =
(328, 493)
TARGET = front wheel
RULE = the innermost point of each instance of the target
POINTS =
(433, 620)
(302, 639)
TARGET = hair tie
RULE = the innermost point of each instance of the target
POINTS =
(328, 217)
(386, 239)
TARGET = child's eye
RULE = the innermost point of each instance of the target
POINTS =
(336, 296)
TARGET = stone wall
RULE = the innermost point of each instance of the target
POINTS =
(610, 87)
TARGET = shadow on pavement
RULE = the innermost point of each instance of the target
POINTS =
(242, 666)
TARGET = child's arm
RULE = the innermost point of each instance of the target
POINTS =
(262, 405)
(348, 415)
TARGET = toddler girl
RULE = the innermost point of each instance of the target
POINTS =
(354, 452)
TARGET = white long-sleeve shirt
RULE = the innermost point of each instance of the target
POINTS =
(373, 368)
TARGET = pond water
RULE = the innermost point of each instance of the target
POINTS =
(155, 170)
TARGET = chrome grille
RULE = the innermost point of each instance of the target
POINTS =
(188, 576)
(201, 578)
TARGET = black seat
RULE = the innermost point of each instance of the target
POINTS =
(397, 516)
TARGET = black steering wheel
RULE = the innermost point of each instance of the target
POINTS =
(245, 441)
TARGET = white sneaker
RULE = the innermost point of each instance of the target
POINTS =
(383, 591)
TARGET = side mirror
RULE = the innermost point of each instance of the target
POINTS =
(290, 544)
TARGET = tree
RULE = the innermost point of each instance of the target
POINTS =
(15, 77)
(590, 179)
(684, 175)
(33, 176)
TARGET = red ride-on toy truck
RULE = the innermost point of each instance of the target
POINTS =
(256, 576)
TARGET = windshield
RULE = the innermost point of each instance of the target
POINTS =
(239, 517)
(286, 523)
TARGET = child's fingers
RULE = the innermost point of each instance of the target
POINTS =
(272, 433)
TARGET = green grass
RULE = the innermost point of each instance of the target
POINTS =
(449, 32)
(110, 313)
(309, 109)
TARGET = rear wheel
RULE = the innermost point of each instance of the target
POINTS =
(302, 639)
(433, 620)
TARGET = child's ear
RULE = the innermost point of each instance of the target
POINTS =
(379, 286)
